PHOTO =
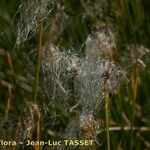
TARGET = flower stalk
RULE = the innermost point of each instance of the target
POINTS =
(39, 53)
(106, 98)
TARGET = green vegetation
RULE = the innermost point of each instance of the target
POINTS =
(75, 70)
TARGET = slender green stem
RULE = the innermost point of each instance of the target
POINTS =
(107, 116)
(38, 61)
(135, 80)
(132, 124)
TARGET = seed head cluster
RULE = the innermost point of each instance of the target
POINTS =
(31, 13)
(89, 75)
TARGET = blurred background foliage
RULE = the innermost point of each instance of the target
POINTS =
(67, 26)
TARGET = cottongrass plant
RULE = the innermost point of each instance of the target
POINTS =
(95, 82)
(100, 44)
(83, 83)
(135, 55)
(92, 78)
(57, 69)
(77, 86)
(99, 74)
(31, 12)
(60, 72)
(29, 125)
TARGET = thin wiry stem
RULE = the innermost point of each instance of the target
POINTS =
(135, 81)
(38, 127)
(107, 117)
(38, 61)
